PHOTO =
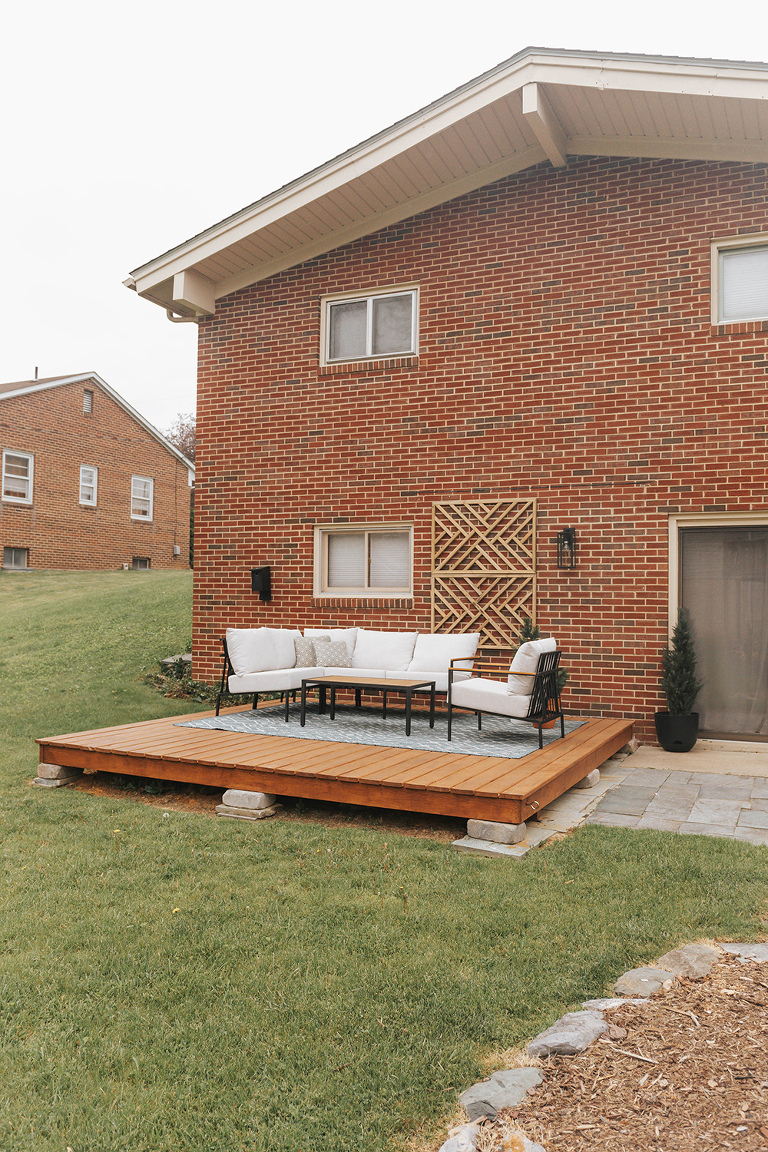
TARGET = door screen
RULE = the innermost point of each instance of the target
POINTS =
(724, 586)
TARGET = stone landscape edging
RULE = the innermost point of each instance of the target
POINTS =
(575, 1031)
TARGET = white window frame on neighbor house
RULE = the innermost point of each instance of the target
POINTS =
(28, 479)
(758, 519)
(730, 248)
(322, 589)
(135, 498)
(86, 484)
(327, 304)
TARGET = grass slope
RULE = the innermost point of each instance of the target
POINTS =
(172, 983)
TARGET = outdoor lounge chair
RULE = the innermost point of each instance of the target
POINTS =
(529, 693)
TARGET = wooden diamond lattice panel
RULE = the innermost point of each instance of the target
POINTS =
(484, 568)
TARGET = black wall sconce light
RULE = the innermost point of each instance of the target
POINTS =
(261, 582)
(566, 548)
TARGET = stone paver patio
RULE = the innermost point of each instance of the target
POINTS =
(717, 789)
(713, 790)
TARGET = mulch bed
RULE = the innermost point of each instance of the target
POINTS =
(689, 1070)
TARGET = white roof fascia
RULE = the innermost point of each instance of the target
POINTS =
(81, 379)
(543, 66)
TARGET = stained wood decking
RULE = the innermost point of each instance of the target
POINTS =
(448, 784)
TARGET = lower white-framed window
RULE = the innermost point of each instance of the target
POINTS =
(740, 279)
(142, 497)
(89, 479)
(364, 560)
(370, 325)
(18, 473)
(15, 558)
(141, 563)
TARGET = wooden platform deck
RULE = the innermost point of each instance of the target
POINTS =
(448, 784)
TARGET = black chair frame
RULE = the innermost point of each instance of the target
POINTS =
(544, 703)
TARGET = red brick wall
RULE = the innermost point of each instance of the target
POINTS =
(60, 532)
(566, 353)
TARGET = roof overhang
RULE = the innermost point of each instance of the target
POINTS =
(26, 387)
(541, 105)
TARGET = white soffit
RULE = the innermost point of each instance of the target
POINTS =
(542, 105)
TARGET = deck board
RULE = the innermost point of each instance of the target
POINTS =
(443, 783)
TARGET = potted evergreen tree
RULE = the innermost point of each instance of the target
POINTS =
(678, 728)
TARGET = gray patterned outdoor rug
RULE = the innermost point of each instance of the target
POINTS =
(499, 737)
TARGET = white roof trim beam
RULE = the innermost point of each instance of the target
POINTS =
(537, 110)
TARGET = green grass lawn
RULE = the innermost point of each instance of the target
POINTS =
(175, 983)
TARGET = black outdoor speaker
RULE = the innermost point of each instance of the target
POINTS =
(261, 582)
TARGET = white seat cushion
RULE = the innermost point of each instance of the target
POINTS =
(527, 660)
(261, 649)
(390, 650)
(374, 673)
(489, 696)
(434, 651)
(348, 635)
(279, 680)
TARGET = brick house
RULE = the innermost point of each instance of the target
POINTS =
(87, 482)
(535, 311)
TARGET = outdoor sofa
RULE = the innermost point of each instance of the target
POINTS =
(275, 659)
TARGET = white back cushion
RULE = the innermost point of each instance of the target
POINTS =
(390, 650)
(261, 649)
(527, 660)
(348, 635)
(434, 652)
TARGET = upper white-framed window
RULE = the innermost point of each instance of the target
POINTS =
(364, 560)
(740, 279)
(87, 401)
(142, 497)
(370, 325)
(89, 480)
(18, 474)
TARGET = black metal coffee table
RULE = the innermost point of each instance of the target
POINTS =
(362, 684)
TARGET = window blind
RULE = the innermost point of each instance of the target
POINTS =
(744, 283)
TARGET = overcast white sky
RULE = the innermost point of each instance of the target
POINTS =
(128, 128)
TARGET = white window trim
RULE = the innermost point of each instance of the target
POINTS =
(134, 516)
(18, 499)
(95, 486)
(756, 519)
(727, 244)
(348, 298)
(320, 564)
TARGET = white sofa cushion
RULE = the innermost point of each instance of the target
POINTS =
(373, 673)
(278, 680)
(261, 649)
(440, 678)
(527, 660)
(490, 696)
(348, 635)
(390, 650)
(434, 651)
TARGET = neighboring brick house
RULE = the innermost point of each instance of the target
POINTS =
(86, 481)
(539, 304)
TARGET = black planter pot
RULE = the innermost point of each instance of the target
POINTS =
(677, 733)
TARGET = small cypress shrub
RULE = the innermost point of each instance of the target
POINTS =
(679, 681)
